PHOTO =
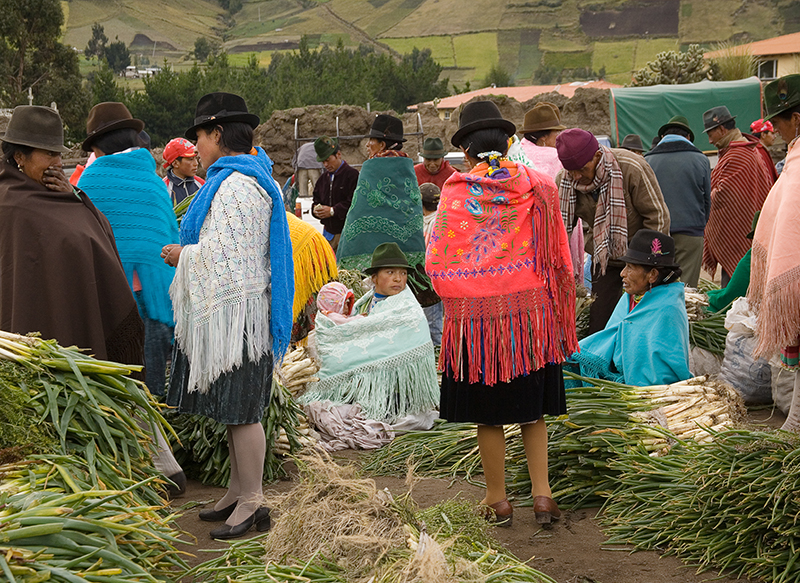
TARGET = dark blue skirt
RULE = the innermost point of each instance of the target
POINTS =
(238, 397)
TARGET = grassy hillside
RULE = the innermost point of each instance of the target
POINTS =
(466, 38)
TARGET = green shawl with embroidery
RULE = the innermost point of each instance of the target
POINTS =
(387, 207)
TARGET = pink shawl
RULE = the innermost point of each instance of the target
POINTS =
(775, 265)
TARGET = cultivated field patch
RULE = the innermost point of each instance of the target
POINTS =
(655, 18)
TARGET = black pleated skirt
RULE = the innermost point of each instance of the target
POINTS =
(522, 400)
(238, 397)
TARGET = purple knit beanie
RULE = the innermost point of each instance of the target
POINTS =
(575, 148)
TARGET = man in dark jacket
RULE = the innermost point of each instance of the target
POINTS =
(684, 175)
(333, 192)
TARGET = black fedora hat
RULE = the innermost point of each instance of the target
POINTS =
(387, 128)
(36, 126)
(479, 115)
(387, 255)
(651, 249)
(220, 108)
(107, 117)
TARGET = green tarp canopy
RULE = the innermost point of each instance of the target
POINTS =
(642, 110)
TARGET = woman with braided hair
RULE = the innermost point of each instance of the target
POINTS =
(499, 258)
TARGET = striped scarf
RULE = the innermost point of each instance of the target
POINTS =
(610, 232)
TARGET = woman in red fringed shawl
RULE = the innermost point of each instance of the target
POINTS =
(499, 258)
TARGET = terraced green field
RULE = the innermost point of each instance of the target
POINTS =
(466, 38)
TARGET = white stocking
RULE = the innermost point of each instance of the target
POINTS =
(250, 445)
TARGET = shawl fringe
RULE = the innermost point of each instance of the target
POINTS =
(507, 336)
(413, 373)
(314, 264)
(777, 302)
(216, 345)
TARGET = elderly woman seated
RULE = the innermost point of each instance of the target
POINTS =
(646, 341)
(384, 361)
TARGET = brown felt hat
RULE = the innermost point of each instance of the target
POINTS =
(36, 126)
(632, 142)
(107, 117)
(543, 116)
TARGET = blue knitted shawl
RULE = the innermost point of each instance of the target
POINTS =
(648, 345)
(127, 190)
(280, 245)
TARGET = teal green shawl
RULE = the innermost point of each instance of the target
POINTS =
(386, 208)
(648, 345)
(383, 361)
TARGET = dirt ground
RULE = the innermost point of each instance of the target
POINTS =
(573, 551)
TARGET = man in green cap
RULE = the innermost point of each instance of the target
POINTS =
(333, 192)
(684, 175)
(434, 168)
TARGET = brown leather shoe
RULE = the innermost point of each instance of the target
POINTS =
(546, 509)
(500, 513)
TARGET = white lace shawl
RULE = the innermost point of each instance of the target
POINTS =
(221, 290)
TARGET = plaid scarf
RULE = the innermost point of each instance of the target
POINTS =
(610, 233)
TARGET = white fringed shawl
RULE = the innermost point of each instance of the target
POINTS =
(221, 290)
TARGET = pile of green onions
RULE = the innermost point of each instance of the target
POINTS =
(600, 422)
(732, 504)
(88, 506)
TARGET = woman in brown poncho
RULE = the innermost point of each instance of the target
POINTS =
(60, 273)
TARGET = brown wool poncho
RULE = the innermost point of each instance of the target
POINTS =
(60, 273)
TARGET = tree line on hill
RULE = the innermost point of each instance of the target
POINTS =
(305, 77)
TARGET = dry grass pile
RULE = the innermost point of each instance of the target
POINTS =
(335, 513)
(337, 527)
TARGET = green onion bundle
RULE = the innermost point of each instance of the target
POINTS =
(709, 333)
(57, 525)
(731, 504)
(95, 411)
(85, 504)
(600, 422)
(201, 445)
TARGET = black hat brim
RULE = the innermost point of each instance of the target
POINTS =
(373, 270)
(638, 258)
(121, 124)
(249, 118)
(507, 126)
(385, 137)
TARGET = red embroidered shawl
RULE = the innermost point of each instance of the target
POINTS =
(499, 258)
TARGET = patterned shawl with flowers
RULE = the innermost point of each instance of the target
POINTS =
(499, 258)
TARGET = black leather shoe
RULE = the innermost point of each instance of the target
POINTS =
(259, 518)
(217, 515)
(178, 485)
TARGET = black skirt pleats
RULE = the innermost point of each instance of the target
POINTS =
(238, 397)
(524, 399)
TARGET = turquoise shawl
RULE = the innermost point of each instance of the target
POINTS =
(648, 345)
(383, 361)
(127, 190)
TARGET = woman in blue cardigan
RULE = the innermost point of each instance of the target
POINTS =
(646, 341)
